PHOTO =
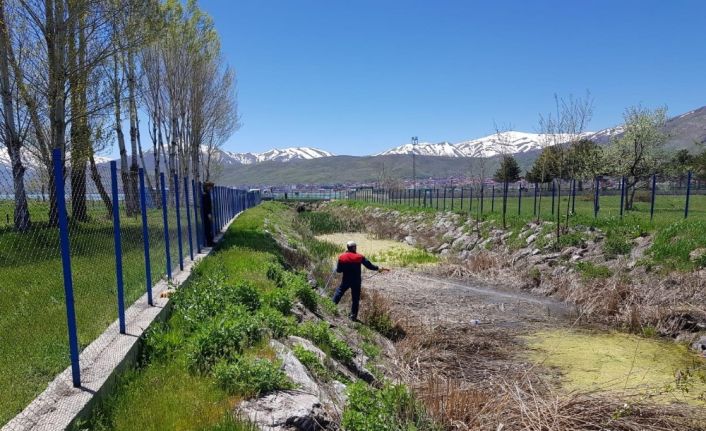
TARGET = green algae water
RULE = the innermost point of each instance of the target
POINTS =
(653, 369)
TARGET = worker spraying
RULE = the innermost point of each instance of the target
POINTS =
(349, 264)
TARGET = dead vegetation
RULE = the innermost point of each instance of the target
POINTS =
(525, 403)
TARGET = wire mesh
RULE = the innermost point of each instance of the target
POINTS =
(34, 341)
(33, 337)
(675, 198)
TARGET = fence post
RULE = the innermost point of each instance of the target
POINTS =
(596, 197)
(553, 194)
(652, 198)
(573, 196)
(688, 194)
(178, 222)
(188, 218)
(506, 187)
(470, 199)
(481, 200)
(145, 236)
(492, 200)
(622, 195)
(461, 199)
(452, 198)
(437, 198)
(519, 200)
(118, 246)
(534, 212)
(66, 265)
(166, 226)
(196, 216)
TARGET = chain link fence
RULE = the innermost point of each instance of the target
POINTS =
(658, 198)
(72, 261)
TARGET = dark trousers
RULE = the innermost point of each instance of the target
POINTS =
(355, 298)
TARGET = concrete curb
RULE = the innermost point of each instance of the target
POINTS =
(60, 405)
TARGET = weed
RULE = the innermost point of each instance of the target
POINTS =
(298, 284)
(311, 361)
(616, 243)
(377, 315)
(161, 343)
(591, 271)
(328, 305)
(322, 336)
(222, 338)
(250, 377)
(391, 408)
(371, 350)
(279, 299)
(278, 324)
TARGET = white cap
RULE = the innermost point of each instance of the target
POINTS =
(350, 244)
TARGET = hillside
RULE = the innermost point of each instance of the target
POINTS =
(355, 170)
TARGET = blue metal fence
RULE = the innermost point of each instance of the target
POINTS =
(224, 204)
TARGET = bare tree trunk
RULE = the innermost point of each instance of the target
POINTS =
(80, 139)
(55, 31)
(95, 175)
(132, 194)
(13, 142)
(172, 156)
(124, 172)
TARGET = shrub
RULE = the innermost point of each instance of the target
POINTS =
(322, 336)
(323, 222)
(391, 408)
(279, 299)
(274, 273)
(272, 319)
(298, 284)
(245, 294)
(250, 377)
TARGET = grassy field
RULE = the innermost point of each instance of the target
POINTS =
(33, 334)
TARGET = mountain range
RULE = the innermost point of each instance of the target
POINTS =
(300, 165)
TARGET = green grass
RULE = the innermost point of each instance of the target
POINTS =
(402, 257)
(213, 351)
(33, 334)
(592, 271)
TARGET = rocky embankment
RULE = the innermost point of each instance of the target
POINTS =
(608, 286)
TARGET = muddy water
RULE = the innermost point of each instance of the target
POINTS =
(545, 333)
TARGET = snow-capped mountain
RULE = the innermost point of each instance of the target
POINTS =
(444, 149)
(510, 142)
(277, 155)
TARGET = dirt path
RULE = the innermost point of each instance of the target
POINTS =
(437, 301)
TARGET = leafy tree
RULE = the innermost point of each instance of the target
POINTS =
(547, 166)
(509, 170)
(638, 152)
(680, 164)
(585, 159)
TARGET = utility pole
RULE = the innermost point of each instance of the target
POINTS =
(415, 141)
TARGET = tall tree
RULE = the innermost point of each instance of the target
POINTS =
(11, 134)
(638, 152)
(509, 170)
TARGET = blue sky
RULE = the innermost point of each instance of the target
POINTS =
(359, 76)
